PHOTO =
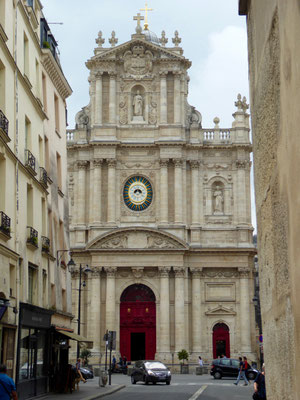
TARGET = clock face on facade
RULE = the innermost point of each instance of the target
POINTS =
(137, 193)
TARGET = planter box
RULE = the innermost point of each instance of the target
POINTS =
(184, 369)
(199, 370)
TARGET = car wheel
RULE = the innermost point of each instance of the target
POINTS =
(251, 376)
(218, 375)
(133, 381)
(167, 382)
(154, 383)
(146, 381)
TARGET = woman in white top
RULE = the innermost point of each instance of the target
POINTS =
(200, 362)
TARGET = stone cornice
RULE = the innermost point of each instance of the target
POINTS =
(56, 74)
(97, 59)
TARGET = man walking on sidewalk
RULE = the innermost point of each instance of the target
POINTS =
(7, 385)
(242, 371)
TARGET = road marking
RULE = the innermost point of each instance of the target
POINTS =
(197, 394)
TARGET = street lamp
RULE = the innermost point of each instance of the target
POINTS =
(256, 302)
(85, 269)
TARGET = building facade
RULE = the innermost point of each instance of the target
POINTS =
(34, 287)
(159, 210)
(273, 51)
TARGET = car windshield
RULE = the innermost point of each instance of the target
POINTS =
(155, 365)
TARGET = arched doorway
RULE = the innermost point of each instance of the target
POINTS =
(221, 343)
(138, 323)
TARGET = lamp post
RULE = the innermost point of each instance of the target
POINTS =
(83, 284)
(256, 303)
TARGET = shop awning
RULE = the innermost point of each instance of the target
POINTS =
(74, 336)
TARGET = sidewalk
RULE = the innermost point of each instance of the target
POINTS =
(87, 391)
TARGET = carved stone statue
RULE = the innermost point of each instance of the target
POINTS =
(138, 104)
(219, 200)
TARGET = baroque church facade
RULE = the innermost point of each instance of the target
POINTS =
(159, 210)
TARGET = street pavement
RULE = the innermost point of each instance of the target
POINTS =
(183, 387)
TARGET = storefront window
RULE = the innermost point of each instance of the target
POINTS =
(32, 353)
(24, 354)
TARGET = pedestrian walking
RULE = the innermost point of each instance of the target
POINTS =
(260, 386)
(78, 366)
(242, 371)
(200, 362)
(7, 385)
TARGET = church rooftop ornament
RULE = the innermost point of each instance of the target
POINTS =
(146, 9)
(113, 40)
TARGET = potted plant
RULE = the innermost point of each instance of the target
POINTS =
(183, 356)
(85, 354)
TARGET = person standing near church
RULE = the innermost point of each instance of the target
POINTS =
(200, 362)
(7, 385)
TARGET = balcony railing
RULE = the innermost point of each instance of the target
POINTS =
(4, 123)
(43, 177)
(45, 244)
(4, 224)
(30, 161)
(32, 236)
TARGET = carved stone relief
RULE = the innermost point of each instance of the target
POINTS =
(158, 242)
(123, 110)
(117, 242)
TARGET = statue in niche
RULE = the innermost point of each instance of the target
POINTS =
(138, 105)
(218, 200)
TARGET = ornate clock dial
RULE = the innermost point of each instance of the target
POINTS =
(137, 193)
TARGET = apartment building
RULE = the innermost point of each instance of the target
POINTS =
(35, 284)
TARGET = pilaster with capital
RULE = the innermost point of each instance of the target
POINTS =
(179, 309)
(164, 191)
(97, 190)
(241, 190)
(110, 298)
(94, 311)
(164, 309)
(112, 97)
(178, 190)
(196, 309)
(81, 193)
(195, 192)
(177, 97)
(245, 309)
(163, 97)
(98, 99)
(111, 193)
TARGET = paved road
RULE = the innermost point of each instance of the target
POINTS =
(183, 387)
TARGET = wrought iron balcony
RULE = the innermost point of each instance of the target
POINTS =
(43, 177)
(30, 161)
(4, 126)
(4, 224)
(45, 244)
(32, 236)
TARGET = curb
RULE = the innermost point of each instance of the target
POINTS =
(110, 391)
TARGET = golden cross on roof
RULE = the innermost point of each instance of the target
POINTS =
(146, 9)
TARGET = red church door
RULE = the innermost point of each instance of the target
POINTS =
(221, 343)
(138, 323)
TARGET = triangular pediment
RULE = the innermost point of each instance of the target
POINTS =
(137, 239)
(118, 51)
(220, 310)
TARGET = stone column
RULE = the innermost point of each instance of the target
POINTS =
(178, 191)
(98, 99)
(111, 192)
(81, 192)
(164, 310)
(245, 332)
(112, 98)
(241, 190)
(196, 310)
(164, 191)
(94, 307)
(195, 192)
(179, 309)
(97, 191)
(177, 97)
(163, 97)
(110, 299)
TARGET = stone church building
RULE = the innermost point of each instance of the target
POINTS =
(159, 210)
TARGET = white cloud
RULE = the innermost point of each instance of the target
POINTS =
(217, 79)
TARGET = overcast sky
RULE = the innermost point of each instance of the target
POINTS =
(213, 37)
